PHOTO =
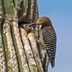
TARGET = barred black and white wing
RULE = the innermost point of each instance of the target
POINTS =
(49, 38)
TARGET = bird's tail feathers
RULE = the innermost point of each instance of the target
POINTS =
(53, 63)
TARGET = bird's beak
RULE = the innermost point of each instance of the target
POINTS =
(36, 24)
(32, 24)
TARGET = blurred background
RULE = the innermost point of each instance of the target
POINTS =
(60, 13)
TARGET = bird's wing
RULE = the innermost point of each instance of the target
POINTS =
(49, 37)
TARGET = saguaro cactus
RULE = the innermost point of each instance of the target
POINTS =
(18, 48)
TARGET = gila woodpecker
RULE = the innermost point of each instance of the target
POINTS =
(47, 38)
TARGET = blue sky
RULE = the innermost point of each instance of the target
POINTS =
(60, 13)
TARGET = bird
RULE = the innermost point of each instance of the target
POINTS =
(47, 38)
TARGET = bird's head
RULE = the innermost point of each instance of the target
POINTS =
(44, 21)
